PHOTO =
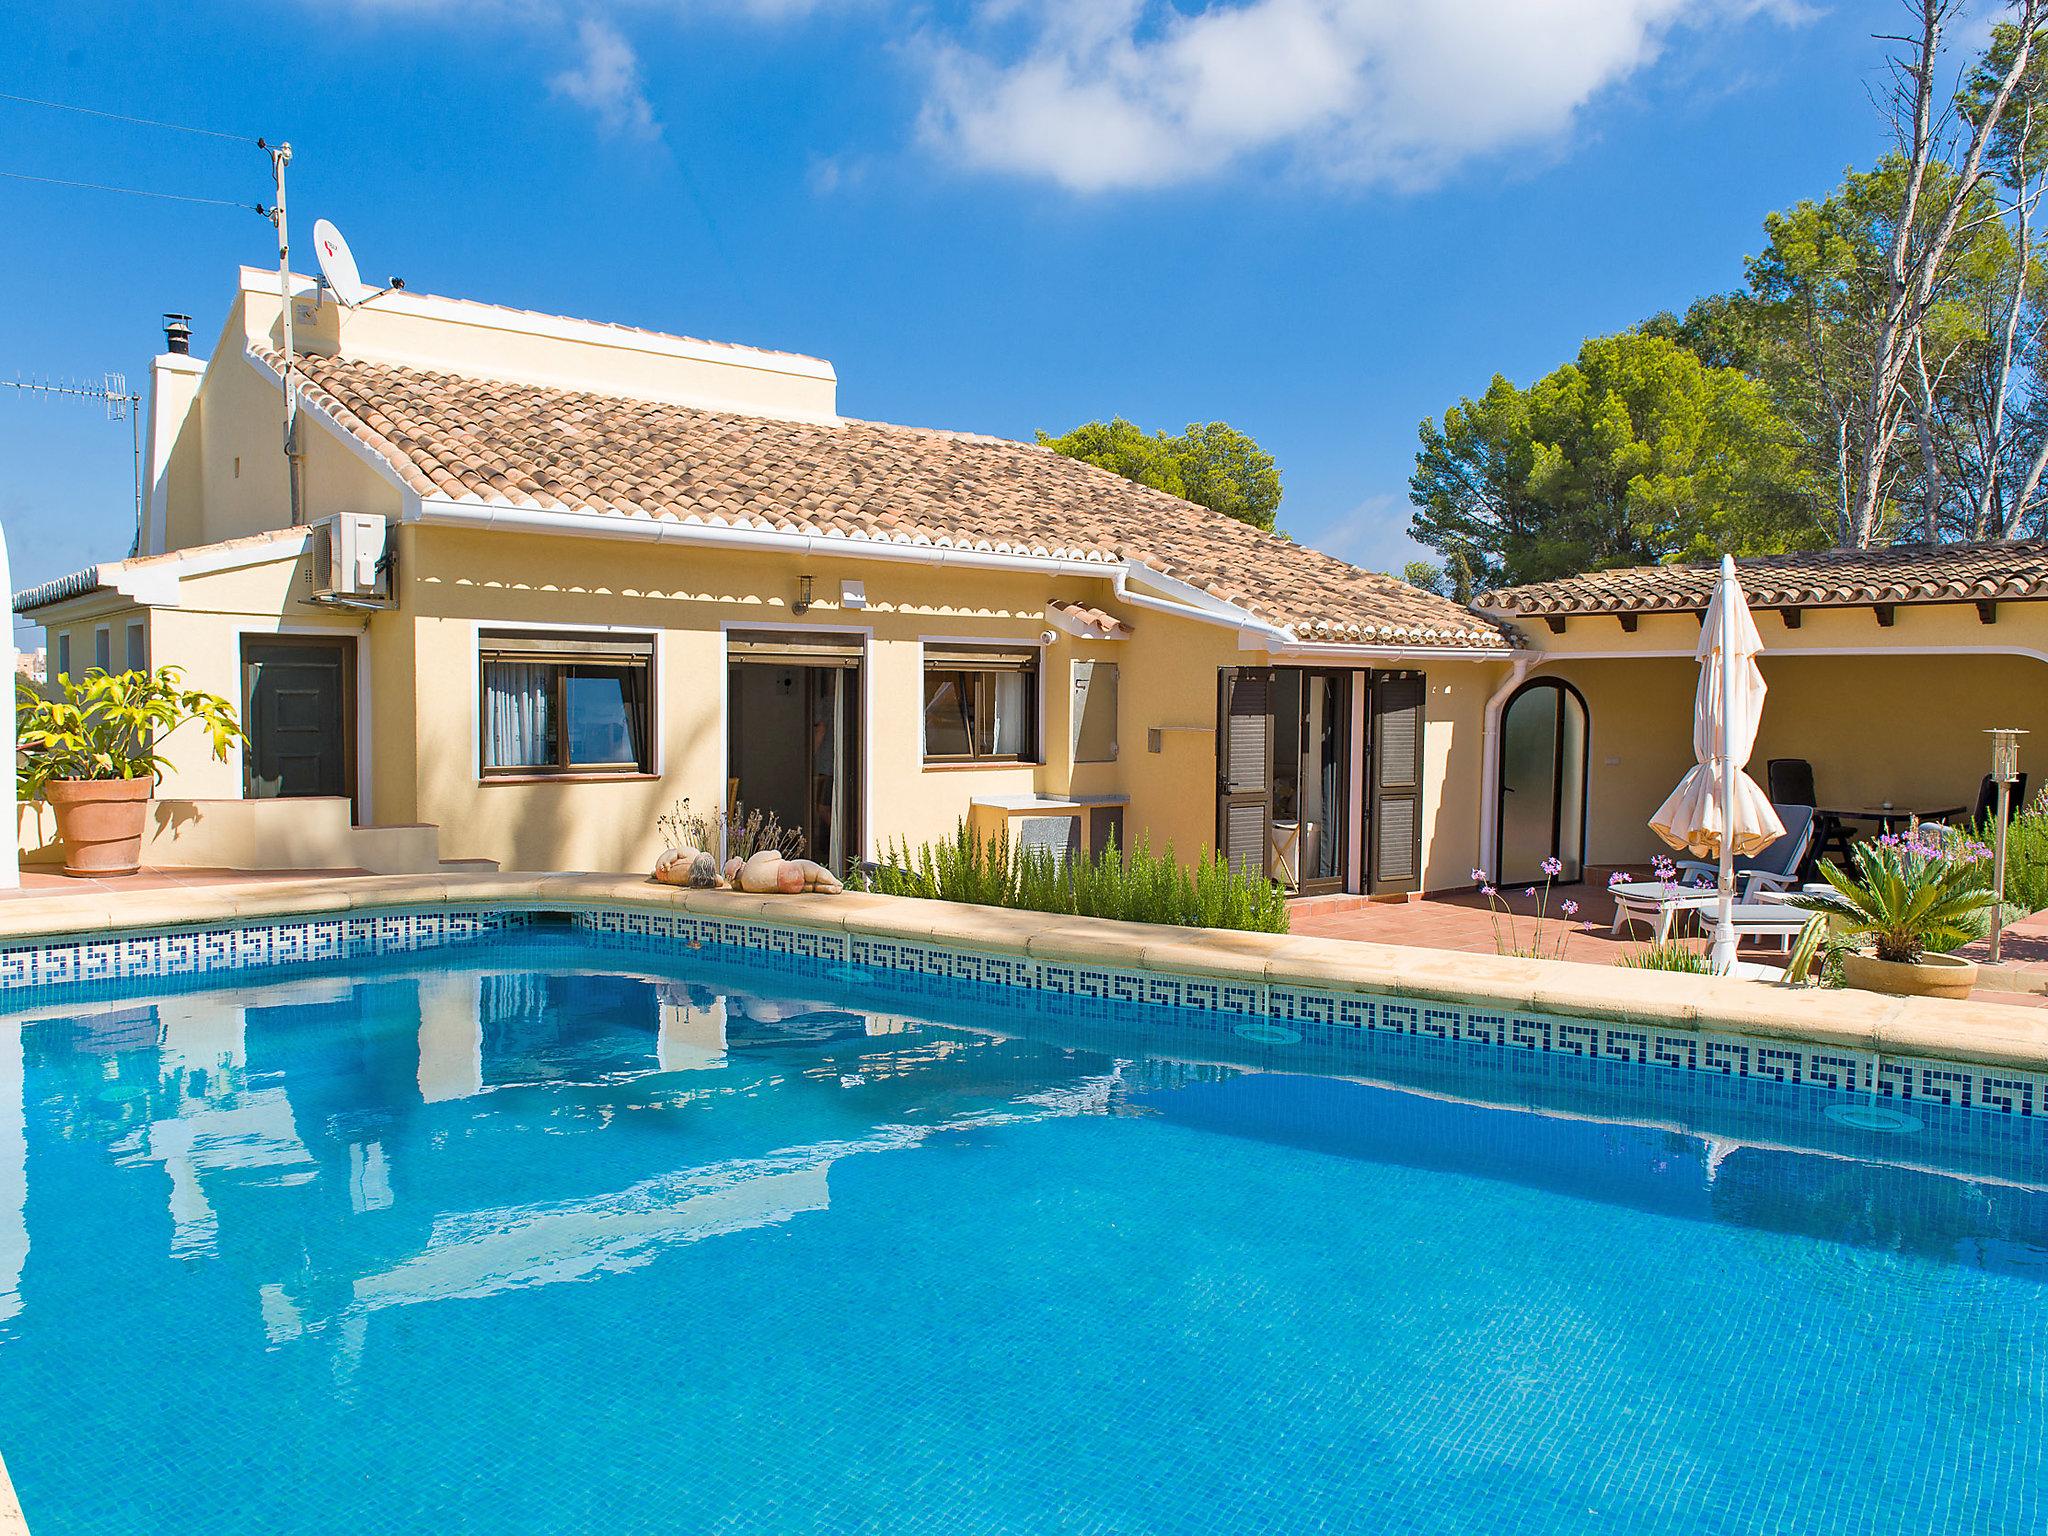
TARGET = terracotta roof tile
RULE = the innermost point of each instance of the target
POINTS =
(1830, 578)
(1106, 625)
(559, 449)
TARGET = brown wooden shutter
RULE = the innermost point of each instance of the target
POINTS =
(1395, 751)
(1244, 765)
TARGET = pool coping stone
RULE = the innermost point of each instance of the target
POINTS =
(1977, 1033)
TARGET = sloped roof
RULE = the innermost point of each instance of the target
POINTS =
(1830, 578)
(455, 436)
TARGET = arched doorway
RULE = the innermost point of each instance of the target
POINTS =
(1543, 756)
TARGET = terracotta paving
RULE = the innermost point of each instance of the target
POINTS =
(1465, 921)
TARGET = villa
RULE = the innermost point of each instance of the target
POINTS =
(534, 580)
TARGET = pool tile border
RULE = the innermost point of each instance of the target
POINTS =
(1952, 1054)
(243, 946)
(1509, 1035)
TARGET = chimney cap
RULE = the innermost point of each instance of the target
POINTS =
(178, 333)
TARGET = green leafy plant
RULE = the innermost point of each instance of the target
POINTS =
(112, 725)
(2026, 854)
(1669, 956)
(1909, 894)
(1138, 886)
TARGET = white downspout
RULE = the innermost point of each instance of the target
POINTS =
(10, 848)
(1489, 758)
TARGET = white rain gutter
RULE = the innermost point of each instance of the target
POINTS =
(1525, 662)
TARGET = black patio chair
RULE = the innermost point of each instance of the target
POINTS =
(1987, 799)
(1790, 782)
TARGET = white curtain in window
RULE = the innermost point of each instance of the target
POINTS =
(518, 699)
(1009, 729)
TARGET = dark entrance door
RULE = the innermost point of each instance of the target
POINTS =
(298, 705)
(1312, 777)
(1542, 811)
(793, 707)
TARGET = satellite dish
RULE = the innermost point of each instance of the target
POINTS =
(338, 265)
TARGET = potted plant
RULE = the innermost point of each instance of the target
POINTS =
(1910, 898)
(95, 756)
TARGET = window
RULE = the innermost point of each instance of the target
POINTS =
(103, 647)
(566, 704)
(64, 655)
(980, 704)
(1094, 711)
(138, 648)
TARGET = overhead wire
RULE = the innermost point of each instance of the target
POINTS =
(99, 186)
(123, 117)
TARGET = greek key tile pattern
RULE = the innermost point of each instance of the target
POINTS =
(1516, 1043)
(1525, 1047)
(254, 946)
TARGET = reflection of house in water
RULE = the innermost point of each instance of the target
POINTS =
(370, 1142)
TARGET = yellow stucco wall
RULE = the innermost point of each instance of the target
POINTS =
(228, 477)
(417, 669)
(462, 580)
(1883, 713)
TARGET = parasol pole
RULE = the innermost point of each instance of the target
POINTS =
(1724, 903)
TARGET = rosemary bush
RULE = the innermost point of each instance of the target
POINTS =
(741, 833)
(1138, 886)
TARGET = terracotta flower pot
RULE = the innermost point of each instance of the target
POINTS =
(1931, 976)
(100, 823)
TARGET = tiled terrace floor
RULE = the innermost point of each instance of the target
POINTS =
(1464, 921)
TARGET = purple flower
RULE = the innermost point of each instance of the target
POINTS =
(1530, 892)
(1488, 892)
(1570, 909)
(1553, 867)
(1619, 877)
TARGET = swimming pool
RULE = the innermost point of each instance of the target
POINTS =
(564, 1230)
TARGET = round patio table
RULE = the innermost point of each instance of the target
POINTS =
(1888, 816)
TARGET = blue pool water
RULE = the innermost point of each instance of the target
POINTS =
(533, 1235)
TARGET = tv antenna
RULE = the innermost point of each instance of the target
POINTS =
(115, 397)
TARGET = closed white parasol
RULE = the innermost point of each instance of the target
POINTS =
(1718, 810)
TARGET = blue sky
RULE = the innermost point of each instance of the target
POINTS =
(1320, 220)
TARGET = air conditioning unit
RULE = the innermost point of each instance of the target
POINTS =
(349, 565)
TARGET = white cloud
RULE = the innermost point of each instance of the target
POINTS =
(1373, 533)
(1097, 95)
(605, 81)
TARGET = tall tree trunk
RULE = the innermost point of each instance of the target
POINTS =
(1915, 260)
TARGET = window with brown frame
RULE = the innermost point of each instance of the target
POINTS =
(565, 704)
(980, 704)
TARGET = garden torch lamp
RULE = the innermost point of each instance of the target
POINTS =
(2005, 772)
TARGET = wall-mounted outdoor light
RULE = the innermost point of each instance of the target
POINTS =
(803, 596)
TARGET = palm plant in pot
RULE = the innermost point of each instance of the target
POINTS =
(96, 753)
(1910, 899)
